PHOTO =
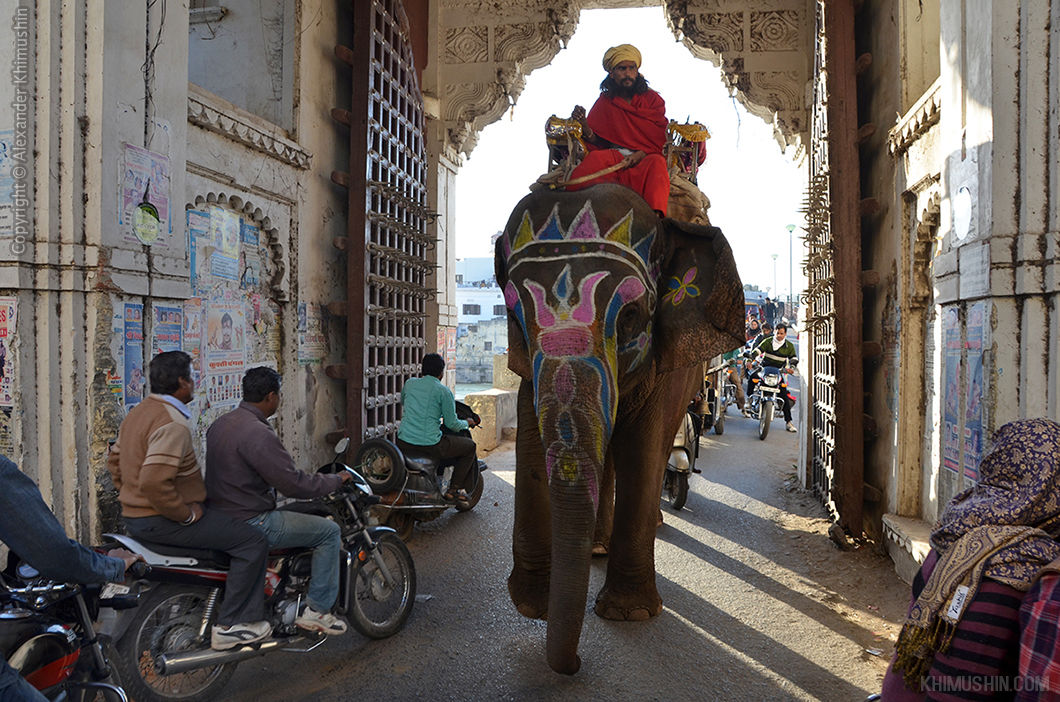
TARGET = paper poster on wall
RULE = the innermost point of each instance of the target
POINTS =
(312, 342)
(974, 343)
(166, 331)
(135, 377)
(249, 256)
(951, 388)
(450, 347)
(200, 250)
(7, 184)
(225, 232)
(144, 215)
(191, 340)
(116, 378)
(225, 339)
(8, 318)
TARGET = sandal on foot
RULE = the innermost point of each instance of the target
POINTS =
(457, 497)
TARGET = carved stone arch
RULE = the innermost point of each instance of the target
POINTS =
(924, 249)
(488, 47)
(765, 51)
(274, 243)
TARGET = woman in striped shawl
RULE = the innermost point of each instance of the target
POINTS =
(960, 638)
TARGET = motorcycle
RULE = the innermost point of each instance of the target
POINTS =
(769, 395)
(164, 652)
(47, 633)
(682, 462)
(412, 486)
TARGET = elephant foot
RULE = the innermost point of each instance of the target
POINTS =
(628, 605)
(529, 592)
(599, 549)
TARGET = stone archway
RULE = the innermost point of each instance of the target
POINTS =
(486, 48)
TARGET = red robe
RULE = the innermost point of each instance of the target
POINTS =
(638, 125)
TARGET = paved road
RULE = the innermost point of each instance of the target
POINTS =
(758, 606)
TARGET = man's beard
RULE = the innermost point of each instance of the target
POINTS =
(613, 87)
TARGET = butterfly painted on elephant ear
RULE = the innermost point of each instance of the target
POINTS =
(680, 289)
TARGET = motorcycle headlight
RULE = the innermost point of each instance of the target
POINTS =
(773, 379)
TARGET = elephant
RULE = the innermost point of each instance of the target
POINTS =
(611, 312)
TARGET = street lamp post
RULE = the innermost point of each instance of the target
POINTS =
(791, 266)
(775, 275)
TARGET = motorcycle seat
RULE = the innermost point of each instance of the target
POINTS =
(205, 556)
(420, 464)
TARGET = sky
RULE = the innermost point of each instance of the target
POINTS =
(754, 189)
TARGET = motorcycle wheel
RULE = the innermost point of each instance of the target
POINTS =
(474, 496)
(678, 490)
(381, 464)
(403, 523)
(168, 622)
(765, 418)
(379, 609)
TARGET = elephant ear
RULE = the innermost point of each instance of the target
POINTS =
(518, 353)
(700, 309)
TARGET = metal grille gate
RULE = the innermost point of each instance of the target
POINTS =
(387, 243)
(833, 268)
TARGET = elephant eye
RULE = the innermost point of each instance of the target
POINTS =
(628, 322)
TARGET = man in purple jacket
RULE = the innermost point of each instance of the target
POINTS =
(246, 465)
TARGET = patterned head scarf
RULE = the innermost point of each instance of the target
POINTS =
(617, 54)
(1003, 528)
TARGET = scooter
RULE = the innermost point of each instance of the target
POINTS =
(164, 652)
(682, 462)
(411, 487)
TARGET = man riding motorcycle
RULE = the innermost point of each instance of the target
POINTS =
(775, 352)
(246, 465)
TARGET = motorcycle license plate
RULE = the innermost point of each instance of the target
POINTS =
(113, 590)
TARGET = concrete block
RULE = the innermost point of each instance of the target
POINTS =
(946, 289)
(1030, 247)
(945, 263)
(907, 541)
(1028, 279)
(1002, 282)
(1002, 250)
(497, 410)
(504, 379)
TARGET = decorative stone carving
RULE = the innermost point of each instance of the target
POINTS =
(216, 115)
(467, 44)
(749, 45)
(777, 30)
(722, 30)
(924, 114)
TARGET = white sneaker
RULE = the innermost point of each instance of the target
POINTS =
(791, 427)
(223, 638)
(324, 622)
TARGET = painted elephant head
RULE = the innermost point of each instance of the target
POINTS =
(603, 298)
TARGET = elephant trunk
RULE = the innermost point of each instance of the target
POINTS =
(574, 434)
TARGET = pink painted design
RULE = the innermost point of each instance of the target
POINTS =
(545, 318)
(511, 295)
(584, 225)
(567, 341)
(564, 384)
(630, 289)
(585, 312)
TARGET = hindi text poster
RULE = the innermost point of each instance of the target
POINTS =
(135, 377)
(951, 388)
(8, 318)
(166, 331)
(225, 233)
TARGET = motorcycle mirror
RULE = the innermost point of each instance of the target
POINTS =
(343, 444)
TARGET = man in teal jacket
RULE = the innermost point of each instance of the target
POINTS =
(426, 404)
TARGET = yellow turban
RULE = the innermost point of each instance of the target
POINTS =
(617, 54)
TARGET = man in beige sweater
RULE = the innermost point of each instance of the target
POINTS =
(161, 490)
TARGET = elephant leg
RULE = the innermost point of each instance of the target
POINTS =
(629, 591)
(528, 583)
(606, 512)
